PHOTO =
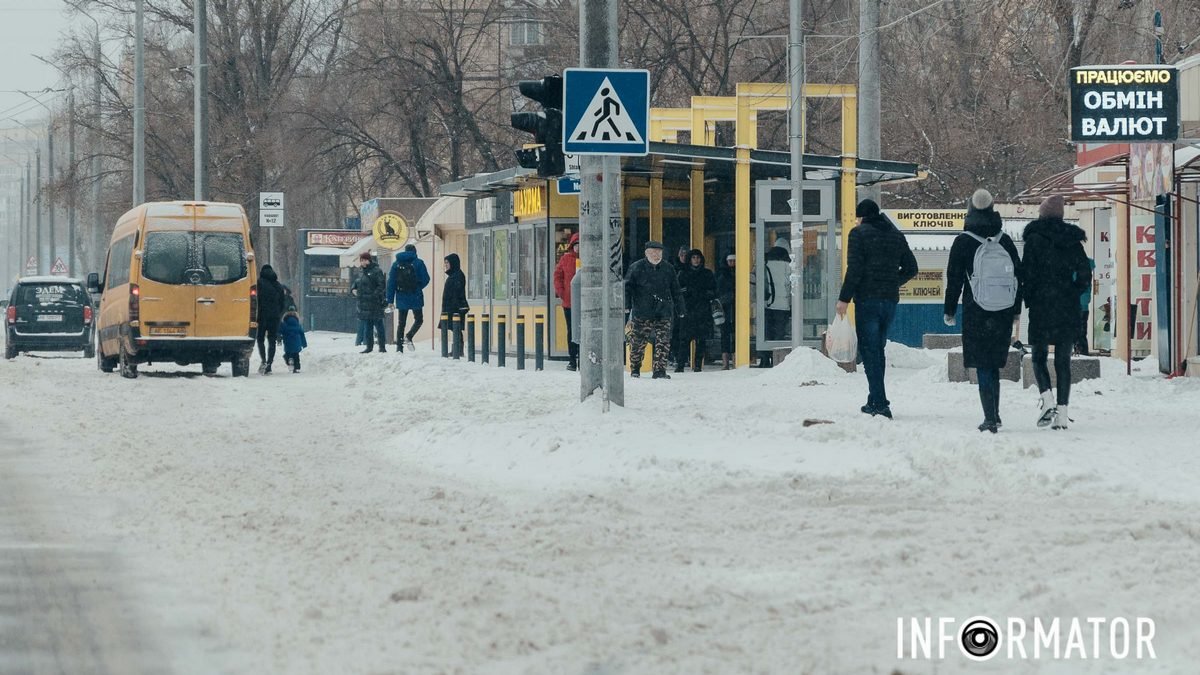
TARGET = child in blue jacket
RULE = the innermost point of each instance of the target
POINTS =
(293, 339)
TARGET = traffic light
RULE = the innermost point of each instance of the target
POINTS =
(545, 125)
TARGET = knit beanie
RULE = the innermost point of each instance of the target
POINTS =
(1052, 207)
(981, 200)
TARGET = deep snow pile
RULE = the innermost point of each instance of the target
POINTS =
(404, 513)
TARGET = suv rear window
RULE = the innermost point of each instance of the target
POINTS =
(52, 294)
(194, 257)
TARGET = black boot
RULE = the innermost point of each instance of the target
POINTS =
(661, 375)
(987, 401)
(699, 365)
(678, 367)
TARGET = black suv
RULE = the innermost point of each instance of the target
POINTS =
(49, 314)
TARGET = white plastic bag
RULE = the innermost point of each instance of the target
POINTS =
(841, 342)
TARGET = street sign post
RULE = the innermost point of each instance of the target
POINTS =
(606, 111)
(270, 216)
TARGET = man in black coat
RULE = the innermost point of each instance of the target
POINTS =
(371, 290)
(454, 299)
(653, 298)
(986, 334)
(878, 263)
(1056, 272)
(271, 300)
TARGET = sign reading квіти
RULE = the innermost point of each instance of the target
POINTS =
(1124, 103)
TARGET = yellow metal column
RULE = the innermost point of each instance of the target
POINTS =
(656, 211)
(696, 209)
(849, 175)
(741, 248)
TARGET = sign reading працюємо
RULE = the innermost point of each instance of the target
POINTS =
(1124, 103)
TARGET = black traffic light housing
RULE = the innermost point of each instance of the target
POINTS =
(545, 125)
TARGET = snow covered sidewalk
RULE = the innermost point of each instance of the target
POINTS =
(405, 513)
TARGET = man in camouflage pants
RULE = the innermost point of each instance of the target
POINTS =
(653, 298)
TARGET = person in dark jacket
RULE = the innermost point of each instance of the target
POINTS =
(369, 288)
(270, 310)
(675, 355)
(293, 339)
(699, 289)
(564, 273)
(878, 263)
(986, 334)
(652, 297)
(726, 295)
(454, 298)
(1056, 272)
(406, 290)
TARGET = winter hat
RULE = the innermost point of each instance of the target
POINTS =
(783, 243)
(1052, 207)
(365, 255)
(867, 208)
(411, 248)
(981, 199)
(654, 244)
(731, 258)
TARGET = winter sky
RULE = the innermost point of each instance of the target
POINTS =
(28, 27)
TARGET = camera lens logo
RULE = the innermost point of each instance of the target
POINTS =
(979, 638)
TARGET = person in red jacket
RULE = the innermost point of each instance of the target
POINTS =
(564, 272)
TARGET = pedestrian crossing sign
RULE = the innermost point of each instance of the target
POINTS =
(606, 111)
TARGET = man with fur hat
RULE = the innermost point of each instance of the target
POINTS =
(878, 263)
(653, 298)
(1056, 272)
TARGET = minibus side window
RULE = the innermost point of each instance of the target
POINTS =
(118, 271)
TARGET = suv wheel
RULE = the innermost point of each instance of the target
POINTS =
(128, 367)
(10, 350)
(89, 350)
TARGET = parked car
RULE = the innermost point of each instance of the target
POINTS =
(178, 286)
(49, 314)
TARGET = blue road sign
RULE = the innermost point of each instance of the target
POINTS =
(569, 185)
(606, 112)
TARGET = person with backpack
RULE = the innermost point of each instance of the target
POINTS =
(369, 289)
(778, 295)
(405, 285)
(984, 268)
(270, 309)
(293, 339)
(878, 262)
(1056, 273)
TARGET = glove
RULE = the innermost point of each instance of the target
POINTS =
(387, 310)
(949, 320)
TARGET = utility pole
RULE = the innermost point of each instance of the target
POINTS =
(97, 245)
(37, 190)
(796, 146)
(200, 92)
(71, 176)
(28, 239)
(139, 109)
(602, 296)
(49, 196)
(868, 88)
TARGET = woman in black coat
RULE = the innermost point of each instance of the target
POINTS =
(454, 296)
(699, 288)
(1056, 272)
(986, 334)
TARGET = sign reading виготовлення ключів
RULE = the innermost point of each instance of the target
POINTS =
(1124, 103)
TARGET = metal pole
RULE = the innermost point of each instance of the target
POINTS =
(520, 343)
(796, 146)
(139, 109)
(868, 88)
(28, 216)
(71, 194)
(200, 117)
(471, 338)
(53, 252)
(270, 244)
(539, 337)
(37, 191)
(97, 252)
(601, 294)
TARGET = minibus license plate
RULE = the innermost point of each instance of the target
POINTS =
(168, 330)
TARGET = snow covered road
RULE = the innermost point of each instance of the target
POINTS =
(389, 513)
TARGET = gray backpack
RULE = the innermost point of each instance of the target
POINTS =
(994, 283)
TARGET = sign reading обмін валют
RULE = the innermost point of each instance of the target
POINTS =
(1124, 103)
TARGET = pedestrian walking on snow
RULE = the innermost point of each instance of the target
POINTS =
(369, 289)
(878, 263)
(405, 290)
(293, 339)
(653, 299)
(1056, 273)
(271, 301)
(984, 268)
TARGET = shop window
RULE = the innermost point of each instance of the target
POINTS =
(477, 259)
(525, 266)
(500, 265)
(541, 256)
